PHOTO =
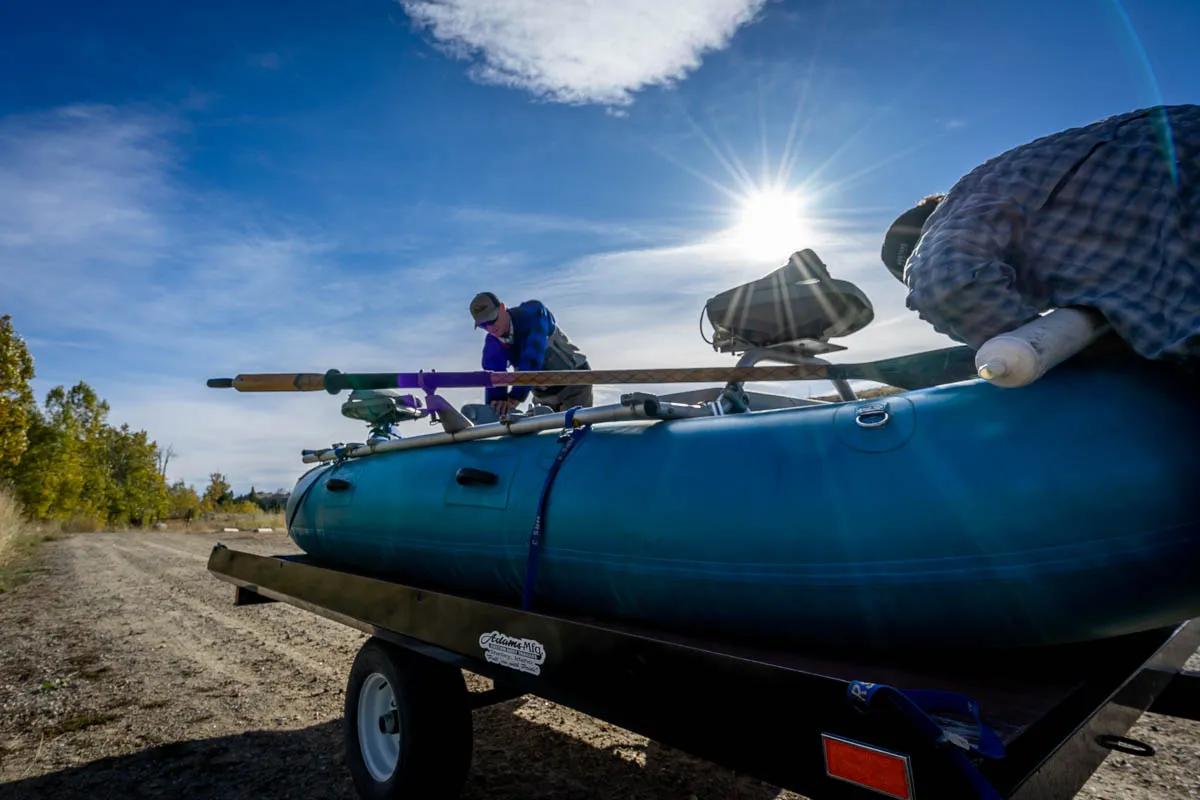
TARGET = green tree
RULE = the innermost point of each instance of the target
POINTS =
(17, 407)
(218, 494)
(66, 476)
(50, 480)
(81, 412)
(78, 408)
(182, 501)
(77, 466)
(135, 490)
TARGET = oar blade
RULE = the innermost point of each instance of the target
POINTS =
(916, 371)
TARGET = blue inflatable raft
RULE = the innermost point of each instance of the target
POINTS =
(956, 515)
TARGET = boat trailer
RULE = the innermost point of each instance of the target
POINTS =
(832, 725)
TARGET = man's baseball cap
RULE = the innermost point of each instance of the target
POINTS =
(905, 232)
(485, 307)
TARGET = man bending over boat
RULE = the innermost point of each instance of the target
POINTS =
(527, 338)
(1106, 216)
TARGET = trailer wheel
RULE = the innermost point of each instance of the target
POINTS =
(407, 725)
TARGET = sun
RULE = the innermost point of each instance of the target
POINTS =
(771, 223)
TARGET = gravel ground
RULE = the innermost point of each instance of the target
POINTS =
(125, 671)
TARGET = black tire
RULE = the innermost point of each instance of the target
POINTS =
(432, 716)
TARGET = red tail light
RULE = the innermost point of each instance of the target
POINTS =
(869, 767)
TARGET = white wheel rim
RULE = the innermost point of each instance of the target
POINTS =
(380, 751)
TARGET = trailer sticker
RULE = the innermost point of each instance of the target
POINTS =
(526, 655)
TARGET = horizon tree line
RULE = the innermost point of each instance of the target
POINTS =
(64, 461)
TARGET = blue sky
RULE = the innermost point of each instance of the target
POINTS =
(205, 189)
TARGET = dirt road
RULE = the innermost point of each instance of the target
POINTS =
(125, 671)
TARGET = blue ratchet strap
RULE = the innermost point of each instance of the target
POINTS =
(570, 436)
(916, 706)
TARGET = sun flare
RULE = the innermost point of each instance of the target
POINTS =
(771, 223)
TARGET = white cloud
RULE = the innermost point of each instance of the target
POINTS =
(582, 51)
(82, 173)
(119, 277)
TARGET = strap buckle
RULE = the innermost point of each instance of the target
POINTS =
(570, 426)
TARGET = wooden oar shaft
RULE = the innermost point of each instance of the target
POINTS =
(311, 381)
(909, 372)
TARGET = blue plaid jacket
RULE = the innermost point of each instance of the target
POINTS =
(532, 324)
(1106, 216)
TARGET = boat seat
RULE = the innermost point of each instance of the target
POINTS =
(800, 300)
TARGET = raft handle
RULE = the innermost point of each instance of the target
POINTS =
(337, 484)
(873, 415)
(470, 476)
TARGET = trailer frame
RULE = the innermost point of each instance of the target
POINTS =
(768, 712)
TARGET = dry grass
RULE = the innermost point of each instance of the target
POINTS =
(11, 525)
(863, 394)
(244, 522)
(83, 524)
(14, 532)
(18, 541)
(20, 538)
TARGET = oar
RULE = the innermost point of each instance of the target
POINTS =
(906, 372)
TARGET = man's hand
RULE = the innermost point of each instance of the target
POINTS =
(502, 407)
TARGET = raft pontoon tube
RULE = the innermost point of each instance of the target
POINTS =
(960, 514)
